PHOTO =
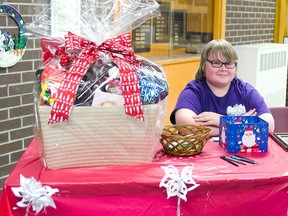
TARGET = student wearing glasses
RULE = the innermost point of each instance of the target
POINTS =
(217, 91)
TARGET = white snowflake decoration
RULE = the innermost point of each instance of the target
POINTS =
(34, 195)
(175, 184)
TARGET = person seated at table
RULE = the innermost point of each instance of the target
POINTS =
(217, 91)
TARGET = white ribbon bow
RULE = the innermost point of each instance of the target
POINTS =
(33, 194)
(176, 185)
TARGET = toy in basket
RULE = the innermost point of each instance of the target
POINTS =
(184, 140)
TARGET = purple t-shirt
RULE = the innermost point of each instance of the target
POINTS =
(198, 97)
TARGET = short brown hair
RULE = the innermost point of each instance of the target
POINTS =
(219, 48)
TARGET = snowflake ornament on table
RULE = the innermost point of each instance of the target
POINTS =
(175, 184)
(34, 195)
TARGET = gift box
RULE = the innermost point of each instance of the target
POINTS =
(243, 134)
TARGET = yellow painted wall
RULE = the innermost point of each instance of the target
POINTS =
(178, 74)
(281, 20)
(286, 23)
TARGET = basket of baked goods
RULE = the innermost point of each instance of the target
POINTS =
(184, 140)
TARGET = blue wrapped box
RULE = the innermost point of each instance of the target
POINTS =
(243, 134)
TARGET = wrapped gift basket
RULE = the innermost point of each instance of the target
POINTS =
(97, 103)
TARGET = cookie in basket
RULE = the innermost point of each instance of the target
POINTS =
(184, 140)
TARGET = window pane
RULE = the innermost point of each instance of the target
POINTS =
(182, 30)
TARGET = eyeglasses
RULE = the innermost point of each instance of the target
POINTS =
(228, 65)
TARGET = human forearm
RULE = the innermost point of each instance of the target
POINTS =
(270, 120)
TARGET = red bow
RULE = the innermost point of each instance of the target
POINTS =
(120, 51)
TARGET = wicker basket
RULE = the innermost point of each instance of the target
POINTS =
(184, 140)
(96, 136)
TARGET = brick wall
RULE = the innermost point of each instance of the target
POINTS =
(250, 21)
(16, 91)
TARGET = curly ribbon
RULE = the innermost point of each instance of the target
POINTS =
(65, 59)
(34, 195)
(175, 184)
(120, 51)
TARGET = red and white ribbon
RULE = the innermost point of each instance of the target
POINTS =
(120, 51)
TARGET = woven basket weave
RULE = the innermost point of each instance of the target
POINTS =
(100, 136)
(184, 140)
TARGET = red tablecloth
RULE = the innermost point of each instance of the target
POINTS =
(252, 189)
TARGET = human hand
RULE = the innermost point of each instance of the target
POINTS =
(208, 119)
(251, 112)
